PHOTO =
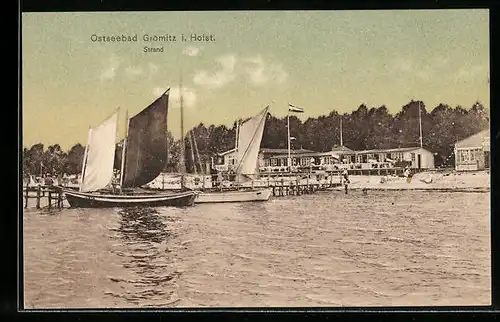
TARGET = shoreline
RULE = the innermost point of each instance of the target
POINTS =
(425, 181)
(473, 189)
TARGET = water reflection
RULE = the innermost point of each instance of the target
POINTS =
(142, 224)
(258, 211)
(144, 237)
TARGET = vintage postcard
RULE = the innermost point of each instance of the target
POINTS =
(255, 159)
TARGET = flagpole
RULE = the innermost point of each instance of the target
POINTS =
(288, 132)
(420, 123)
(236, 136)
(341, 142)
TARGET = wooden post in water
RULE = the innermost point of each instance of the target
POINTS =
(59, 198)
(26, 195)
(38, 197)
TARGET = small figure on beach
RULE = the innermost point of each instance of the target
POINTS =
(345, 179)
(408, 174)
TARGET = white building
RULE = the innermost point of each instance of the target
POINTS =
(473, 153)
(414, 157)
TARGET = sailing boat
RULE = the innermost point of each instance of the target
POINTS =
(144, 156)
(247, 144)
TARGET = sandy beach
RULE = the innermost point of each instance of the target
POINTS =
(430, 180)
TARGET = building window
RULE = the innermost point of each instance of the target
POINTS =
(273, 162)
(463, 155)
(413, 157)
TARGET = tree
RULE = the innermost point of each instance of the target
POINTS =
(356, 128)
(35, 156)
(406, 126)
(54, 159)
(74, 159)
(380, 124)
(363, 128)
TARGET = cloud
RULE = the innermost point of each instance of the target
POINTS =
(219, 78)
(188, 96)
(426, 74)
(132, 71)
(260, 73)
(192, 51)
(403, 65)
(470, 73)
(153, 69)
(110, 68)
(441, 61)
(254, 69)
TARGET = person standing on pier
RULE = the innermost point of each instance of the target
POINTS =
(345, 179)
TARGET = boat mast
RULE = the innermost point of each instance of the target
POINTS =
(420, 123)
(181, 158)
(122, 166)
(84, 162)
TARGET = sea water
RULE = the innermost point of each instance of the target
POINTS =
(383, 248)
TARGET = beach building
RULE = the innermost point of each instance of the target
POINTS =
(412, 157)
(338, 158)
(473, 152)
(275, 158)
(303, 159)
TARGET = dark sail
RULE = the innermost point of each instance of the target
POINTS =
(146, 148)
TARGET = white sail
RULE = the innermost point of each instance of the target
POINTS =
(249, 139)
(98, 168)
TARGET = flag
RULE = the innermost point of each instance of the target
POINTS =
(296, 109)
(292, 138)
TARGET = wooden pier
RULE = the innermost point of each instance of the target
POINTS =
(281, 184)
(53, 196)
(286, 184)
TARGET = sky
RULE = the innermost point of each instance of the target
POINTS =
(317, 60)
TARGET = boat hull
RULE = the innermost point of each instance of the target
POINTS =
(233, 196)
(96, 200)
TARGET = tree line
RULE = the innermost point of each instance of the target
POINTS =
(363, 128)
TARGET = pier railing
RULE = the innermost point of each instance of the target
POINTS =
(53, 196)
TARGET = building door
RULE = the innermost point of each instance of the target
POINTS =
(487, 159)
(419, 161)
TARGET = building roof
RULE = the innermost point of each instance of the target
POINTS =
(388, 150)
(272, 151)
(284, 151)
(341, 149)
(310, 154)
(226, 152)
(475, 140)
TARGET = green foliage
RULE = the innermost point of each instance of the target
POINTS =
(363, 128)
